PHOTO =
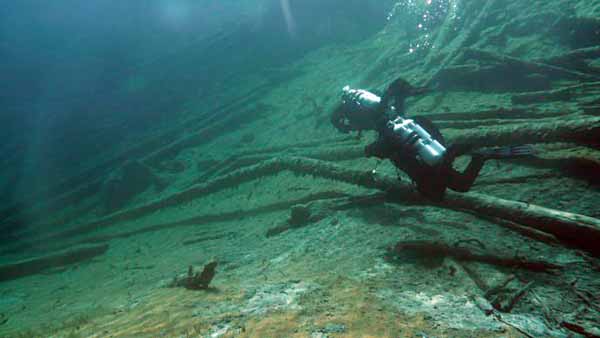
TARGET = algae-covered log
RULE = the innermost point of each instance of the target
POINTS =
(574, 56)
(35, 265)
(576, 59)
(530, 66)
(583, 130)
(432, 249)
(559, 94)
(574, 229)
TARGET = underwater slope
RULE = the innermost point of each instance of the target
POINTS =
(306, 242)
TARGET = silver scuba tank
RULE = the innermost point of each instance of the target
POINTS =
(360, 98)
(414, 137)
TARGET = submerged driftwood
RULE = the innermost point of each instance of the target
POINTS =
(573, 229)
(429, 249)
(529, 66)
(581, 130)
(196, 281)
(586, 130)
(35, 265)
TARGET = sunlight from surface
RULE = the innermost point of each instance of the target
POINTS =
(289, 18)
(426, 14)
(175, 14)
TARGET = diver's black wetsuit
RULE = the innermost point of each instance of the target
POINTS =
(414, 145)
(431, 181)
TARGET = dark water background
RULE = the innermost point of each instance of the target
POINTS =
(66, 65)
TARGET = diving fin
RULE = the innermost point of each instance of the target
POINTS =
(505, 152)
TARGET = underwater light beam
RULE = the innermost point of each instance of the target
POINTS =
(289, 18)
(175, 14)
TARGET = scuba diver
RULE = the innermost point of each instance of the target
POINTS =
(414, 145)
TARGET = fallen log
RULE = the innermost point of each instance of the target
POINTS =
(343, 153)
(296, 146)
(576, 59)
(35, 265)
(575, 55)
(236, 113)
(559, 94)
(451, 49)
(528, 66)
(524, 230)
(490, 78)
(253, 156)
(501, 113)
(71, 187)
(573, 229)
(583, 131)
(429, 249)
(591, 332)
(585, 168)
(197, 220)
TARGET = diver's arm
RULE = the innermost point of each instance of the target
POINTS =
(398, 91)
(338, 119)
(380, 149)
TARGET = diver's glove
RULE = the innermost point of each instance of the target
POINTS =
(505, 152)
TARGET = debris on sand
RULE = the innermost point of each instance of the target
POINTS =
(198, 281)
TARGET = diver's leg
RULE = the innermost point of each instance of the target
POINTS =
(462, 182)
(457, 149)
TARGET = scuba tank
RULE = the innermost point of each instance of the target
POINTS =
(360, 99)
(359, 110)
(413, 137)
